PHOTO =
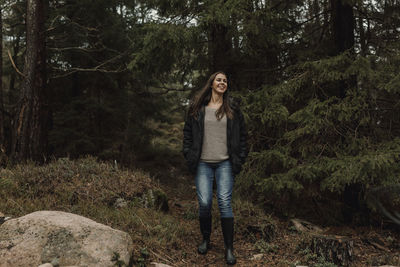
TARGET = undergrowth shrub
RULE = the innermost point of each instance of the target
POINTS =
(309, 145)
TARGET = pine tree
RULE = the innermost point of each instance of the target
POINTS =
(311, 142)
(29, 135)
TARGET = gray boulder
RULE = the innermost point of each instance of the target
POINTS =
(55, 236)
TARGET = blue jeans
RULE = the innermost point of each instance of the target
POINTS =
(204, 187)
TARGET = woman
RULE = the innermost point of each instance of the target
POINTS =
(214, 145)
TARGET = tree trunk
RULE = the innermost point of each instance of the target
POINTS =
(342, 26)
(342, 21)
(337, 249)
(363, 43)
(29, 137)
(333, 248)
(2, 121)
(219, 48)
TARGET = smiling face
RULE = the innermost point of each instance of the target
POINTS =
(220, 84)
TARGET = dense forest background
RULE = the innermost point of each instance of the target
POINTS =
(319, 85)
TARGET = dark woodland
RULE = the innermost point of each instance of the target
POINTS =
(318, 82)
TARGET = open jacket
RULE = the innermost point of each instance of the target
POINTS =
(193, 133)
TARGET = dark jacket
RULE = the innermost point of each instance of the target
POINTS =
(193, 133)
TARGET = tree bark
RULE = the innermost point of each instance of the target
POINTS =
(333, 248)
(219, 48)
(363, 43)
(342, 26)
(342, 22)
(2, 121)
(337, 249)
(29, 136)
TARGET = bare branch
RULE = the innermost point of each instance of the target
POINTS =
(167, 89)
(74, 70)
(97, 68)
(13, 63)
(51, 27)
(84, 27)
(75, 48)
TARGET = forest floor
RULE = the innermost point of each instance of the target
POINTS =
(262, 239)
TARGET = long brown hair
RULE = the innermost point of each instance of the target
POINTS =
(203, 97)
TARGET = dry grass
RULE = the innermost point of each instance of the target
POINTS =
(91, 188)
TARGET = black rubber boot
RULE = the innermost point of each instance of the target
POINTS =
(205, 228)
(227, 231)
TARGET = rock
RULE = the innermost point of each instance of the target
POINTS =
(62, 238)
(257, 257)
(46, 265)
